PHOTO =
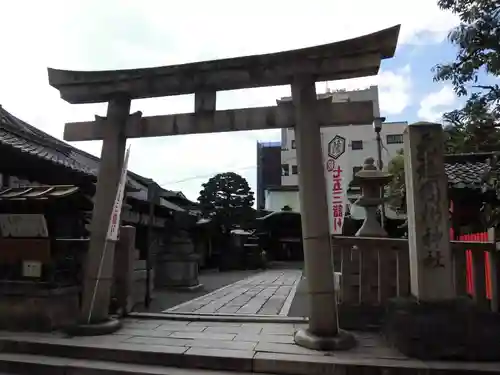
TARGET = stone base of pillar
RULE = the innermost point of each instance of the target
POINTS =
(342, 341)
(444, 330)
(105, 327)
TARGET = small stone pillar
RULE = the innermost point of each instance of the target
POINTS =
(323, 332)
(177, 263)
(124, 269)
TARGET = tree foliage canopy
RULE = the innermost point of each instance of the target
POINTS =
(474, 127)
(227, 198)
(397, 187)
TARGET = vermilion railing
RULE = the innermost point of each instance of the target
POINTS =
(476, 237)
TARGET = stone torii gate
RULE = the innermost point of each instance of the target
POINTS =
(301, 69)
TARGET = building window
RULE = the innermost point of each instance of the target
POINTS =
(393, 139)
(285, 169)
(295, 169)
(357, 145)
(293, 144)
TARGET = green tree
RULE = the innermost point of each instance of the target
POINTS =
(473, 128)
(227, 199)
(397, 188)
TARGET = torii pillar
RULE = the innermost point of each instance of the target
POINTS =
(323, 332)
(99, 265)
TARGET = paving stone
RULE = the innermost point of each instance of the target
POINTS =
(216, 324)
(278, 329)
(143, 332)
(228, 309)
(108, 339)
(145, 325)
(222, 344)
(281, 339)
(173, 328)
(233, 330)
(202, 335)
(159, 341)
(216, 344)
(234, 360)
(283, 348)
(269, 311)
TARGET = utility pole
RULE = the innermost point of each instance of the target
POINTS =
(377, 126)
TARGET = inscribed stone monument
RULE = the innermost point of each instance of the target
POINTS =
(431, 271)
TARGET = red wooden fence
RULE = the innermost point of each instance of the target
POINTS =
(476, 237)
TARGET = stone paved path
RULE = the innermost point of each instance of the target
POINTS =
(267, 293)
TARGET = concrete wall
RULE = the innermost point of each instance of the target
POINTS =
(391, 132)
(276, 200)
(363, 133)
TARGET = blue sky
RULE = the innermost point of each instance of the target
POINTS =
(117, 34)
(421, 59)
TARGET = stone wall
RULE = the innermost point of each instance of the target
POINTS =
(29, 306)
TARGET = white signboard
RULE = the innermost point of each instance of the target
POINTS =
(336, 160)
(114, 223)
(23, 225)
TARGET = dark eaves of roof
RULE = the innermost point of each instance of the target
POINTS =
(24, 137)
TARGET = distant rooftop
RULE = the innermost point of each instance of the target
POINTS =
(269, 144)
(329, 94)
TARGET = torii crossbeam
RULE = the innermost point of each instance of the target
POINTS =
(358, 57)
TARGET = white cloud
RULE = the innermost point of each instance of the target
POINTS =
(394, 88)
(434, 104)
(114, 34)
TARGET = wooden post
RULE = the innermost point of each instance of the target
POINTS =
(494, 261)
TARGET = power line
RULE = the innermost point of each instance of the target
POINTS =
(197, 177)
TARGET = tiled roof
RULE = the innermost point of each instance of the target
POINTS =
(26, 138)
(23, 137)
(466, 175)
(466, 170)
(37, 192)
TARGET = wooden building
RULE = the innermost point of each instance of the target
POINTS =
(30, 157)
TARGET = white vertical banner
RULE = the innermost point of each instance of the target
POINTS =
(336, 166)
(114, 222)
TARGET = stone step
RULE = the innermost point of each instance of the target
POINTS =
(42, 356)
(153, 355)
(43, 365)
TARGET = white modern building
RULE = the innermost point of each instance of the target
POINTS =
(362, 143)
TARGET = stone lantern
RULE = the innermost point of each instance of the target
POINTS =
(372, 180)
